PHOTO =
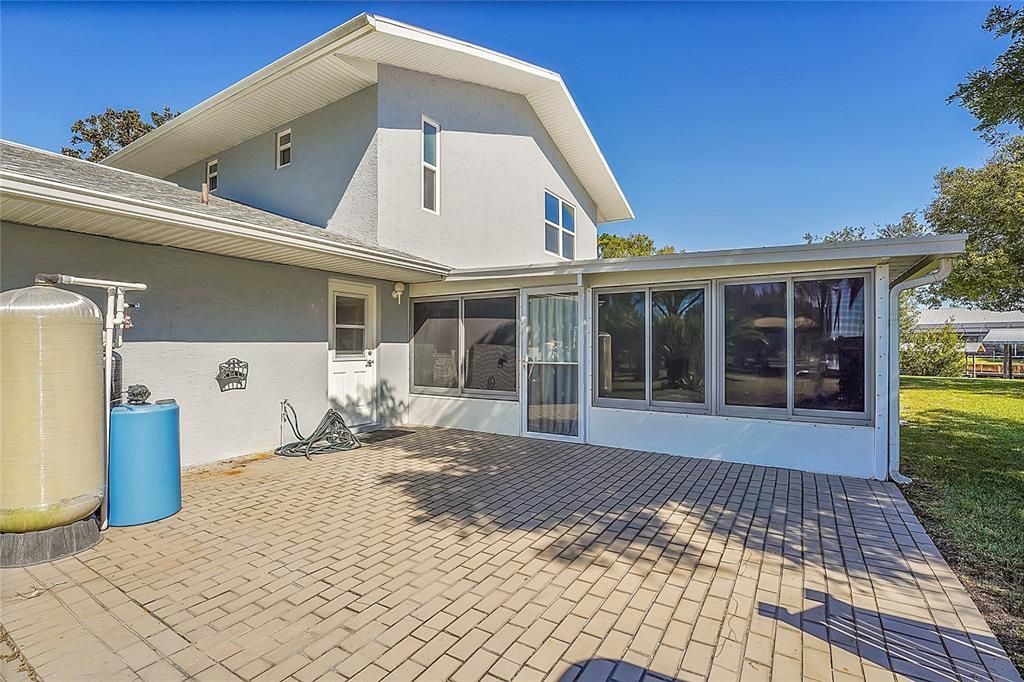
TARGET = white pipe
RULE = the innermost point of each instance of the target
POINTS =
(113, 329)
(934, 277)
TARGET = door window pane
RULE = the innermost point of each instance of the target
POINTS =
(828, 343)
(349, 339)
(677, 345)
(621, 346)
(553, 378)
(349, 310)
(552, 400)
(490, 333)
(552, 321)
(429, 193)
(436, 344)
(755, 344)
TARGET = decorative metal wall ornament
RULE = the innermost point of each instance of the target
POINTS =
(233, 375)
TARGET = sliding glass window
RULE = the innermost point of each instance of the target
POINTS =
(621, 346)
(796, 347)
(651, 348)
(678, 346)
(756, 344)
(465, 345)
(829, 344)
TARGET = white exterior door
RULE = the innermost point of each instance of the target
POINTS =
(352, 352)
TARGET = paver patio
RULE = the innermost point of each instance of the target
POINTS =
(443, 554)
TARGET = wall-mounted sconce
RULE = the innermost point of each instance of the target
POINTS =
(397, 293)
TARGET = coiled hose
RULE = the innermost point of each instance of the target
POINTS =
(331, 435)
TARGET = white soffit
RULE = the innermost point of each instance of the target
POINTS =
(343, 61)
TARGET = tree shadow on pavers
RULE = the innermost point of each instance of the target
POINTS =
(579, 501)
(611, 670)
(917, 649)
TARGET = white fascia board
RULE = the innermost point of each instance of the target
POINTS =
(317, 48)
(879, 250)
(55, 193)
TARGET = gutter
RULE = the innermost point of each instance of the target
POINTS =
(933, 277)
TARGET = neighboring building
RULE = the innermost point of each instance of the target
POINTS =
(403, 226)
(993, 341)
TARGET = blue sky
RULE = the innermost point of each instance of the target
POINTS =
(726, 124)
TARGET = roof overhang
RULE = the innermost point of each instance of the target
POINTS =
(1004, 336)
(343, 61)
(906, 256)
(34, 201)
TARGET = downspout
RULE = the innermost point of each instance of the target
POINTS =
(934, 277)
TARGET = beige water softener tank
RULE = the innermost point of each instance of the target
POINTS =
(51, 408)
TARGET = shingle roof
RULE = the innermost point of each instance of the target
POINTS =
(37, 163)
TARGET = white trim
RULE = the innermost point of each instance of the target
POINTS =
(426, 165)
(562, 231)
(866, 250)
(279, 148)
(34, 189)
(215, 175)
(356, 48)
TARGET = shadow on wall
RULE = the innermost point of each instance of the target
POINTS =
(389, 408)
(583, 501)
(917, 649)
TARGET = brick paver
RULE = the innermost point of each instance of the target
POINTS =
(445, 554)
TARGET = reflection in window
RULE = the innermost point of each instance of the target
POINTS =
(349, 324)
(621, 340)
(436, 344)
(559, 226)
(677, 345)
(552, 388)
(490, 329)
(828, 342)
(755, 345)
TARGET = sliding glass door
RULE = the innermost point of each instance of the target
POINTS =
(551, 382)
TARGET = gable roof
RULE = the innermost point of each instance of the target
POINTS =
(44, 189)
(343, 61)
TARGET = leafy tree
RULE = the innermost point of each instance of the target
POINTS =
(933, 353)
(103, 134)
(995, 96)
(636, 244)
(988, 204)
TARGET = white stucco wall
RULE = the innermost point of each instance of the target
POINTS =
(496, 160)
(332, 180)
(202, 309)
(473, 414)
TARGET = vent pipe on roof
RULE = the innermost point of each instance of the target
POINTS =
(934, 277)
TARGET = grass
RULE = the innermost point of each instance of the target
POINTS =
(963, 445)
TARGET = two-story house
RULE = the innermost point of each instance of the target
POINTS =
(404, 225)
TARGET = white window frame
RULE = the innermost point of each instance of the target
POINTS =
(790, 413)
(435, 167)
(279, 147)
(561, 229)
(365, 326)
(648, 402)
(215, 175)
(463, 358)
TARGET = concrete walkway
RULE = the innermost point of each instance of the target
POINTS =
(443, 554)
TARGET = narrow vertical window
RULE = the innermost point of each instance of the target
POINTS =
(756, 345)
(284, 148)
(431, 166)
(559, 226)
(621, 340)
(211, 175)
(677, 345)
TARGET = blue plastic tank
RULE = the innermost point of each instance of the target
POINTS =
(145, 463)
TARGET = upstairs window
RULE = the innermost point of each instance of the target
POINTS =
(431, 166)
(559, 227)
(211, 175)
(284, 148)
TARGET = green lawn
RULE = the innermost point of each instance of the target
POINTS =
(963, 445)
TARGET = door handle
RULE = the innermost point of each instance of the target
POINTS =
(369, 363)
